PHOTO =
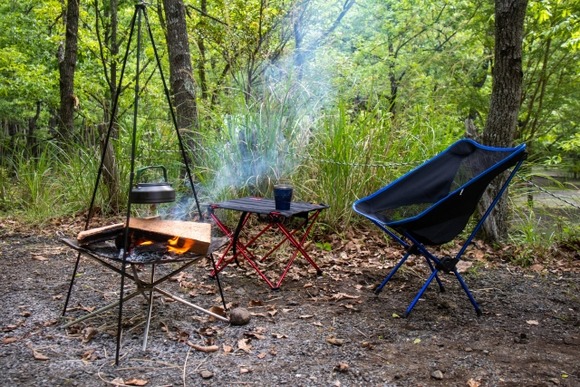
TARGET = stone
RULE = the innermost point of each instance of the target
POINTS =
(239, 316)
(437, 375)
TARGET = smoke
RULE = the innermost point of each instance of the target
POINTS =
(263, 140)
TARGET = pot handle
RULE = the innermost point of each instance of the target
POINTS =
(141, 170)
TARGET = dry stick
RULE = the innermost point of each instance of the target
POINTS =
(200, 363)
(362, 333)
(185, 367)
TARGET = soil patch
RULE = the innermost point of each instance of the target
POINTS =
(325, 331)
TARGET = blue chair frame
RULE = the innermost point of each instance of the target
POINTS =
(432, 204)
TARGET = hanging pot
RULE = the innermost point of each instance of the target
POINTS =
(151, 193)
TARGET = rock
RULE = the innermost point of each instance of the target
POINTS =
(437, 375)
(205, 374)
(239, 316)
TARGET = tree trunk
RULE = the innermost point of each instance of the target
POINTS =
(181, 72)
(111, 178)
(31, 139)
(110, 171)
(505, 100)
(67, 59)
(202, 53)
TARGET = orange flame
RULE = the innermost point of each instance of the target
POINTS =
(143, 242)
(174, 245)
(179, 245)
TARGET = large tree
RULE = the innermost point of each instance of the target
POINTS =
(67, 58)
(181, 71)
(505, 101)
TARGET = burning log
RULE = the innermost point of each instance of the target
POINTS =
(178, 236)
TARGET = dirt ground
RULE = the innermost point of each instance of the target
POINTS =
(315, 331)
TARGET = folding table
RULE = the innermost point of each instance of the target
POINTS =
(293, 233)
(108, 255)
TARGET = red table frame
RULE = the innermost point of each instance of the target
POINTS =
(275, 220)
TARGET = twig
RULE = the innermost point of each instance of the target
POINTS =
(362, 333)
(185, 367)
(200, 363)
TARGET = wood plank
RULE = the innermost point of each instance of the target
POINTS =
(200, 233)
(100, 234)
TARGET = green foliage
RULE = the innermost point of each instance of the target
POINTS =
(338, 101)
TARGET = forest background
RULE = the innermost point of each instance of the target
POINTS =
(336, 97)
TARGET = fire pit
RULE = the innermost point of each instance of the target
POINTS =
(151, 242)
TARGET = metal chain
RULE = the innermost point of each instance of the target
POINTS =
(542, 189)
(372, 165)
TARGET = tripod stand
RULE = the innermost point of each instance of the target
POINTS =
(139, 16)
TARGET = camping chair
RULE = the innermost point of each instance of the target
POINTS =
(432, 204)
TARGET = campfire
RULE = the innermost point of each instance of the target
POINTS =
(148, 239)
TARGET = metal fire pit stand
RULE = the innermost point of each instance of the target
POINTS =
(139, 16)
(275, 219)
(143, 287)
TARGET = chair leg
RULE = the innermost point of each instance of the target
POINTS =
(469, 295)
(392, 273)
(423, 288)
(441, 287)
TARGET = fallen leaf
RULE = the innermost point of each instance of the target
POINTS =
(342, 296)
(9, 340)
(417, 341)
(136, 382)
(38, 356)
(463, 266)
(227, 348)
(218, 310)
(244, 370)
(255, 335)
(305, 316)
(341, 367)
(89, 355)
(89, 333)
(473, 383)
(244, 345)
(334, 341)
(261, 355)
(40, 258)
(203, 348)
(532, 322)
(255, 303)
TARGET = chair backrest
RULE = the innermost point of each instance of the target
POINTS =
(434, 202)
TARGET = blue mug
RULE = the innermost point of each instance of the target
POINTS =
(282, 196)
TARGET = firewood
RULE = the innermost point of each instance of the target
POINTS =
(155, 229)
(100, 234)
(200, 233)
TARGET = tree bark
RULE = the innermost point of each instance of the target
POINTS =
(111, 178)
(181, 72)
(505, 101)
(67, 59)
(202, 54)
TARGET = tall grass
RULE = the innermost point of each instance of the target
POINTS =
(332, 155)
